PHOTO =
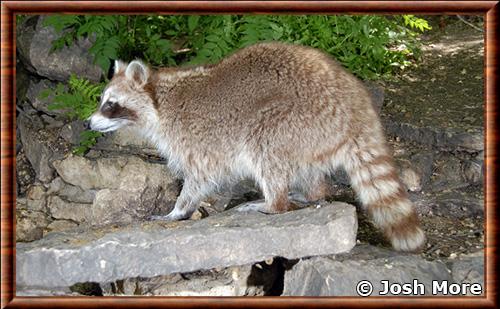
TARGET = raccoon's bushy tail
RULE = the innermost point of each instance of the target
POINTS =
(375, 180)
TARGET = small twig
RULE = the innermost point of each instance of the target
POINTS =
(469, 24)
(182, 51)
(22, 112)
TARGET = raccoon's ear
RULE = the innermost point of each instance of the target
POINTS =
(137, 72)
(120, 66)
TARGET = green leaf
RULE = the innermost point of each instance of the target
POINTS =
(103, 62)
(212, 38)
(44, 94)
(193, 22)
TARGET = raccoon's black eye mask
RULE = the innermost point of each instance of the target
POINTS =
(108, 105)
(112, 109)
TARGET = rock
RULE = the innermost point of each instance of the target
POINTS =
(125, 139)
(247, 280)
(25, 175)
(33, 94)
(127, 188)
(469, 269)
(35, 201)
(70, 193)
(34, 44)
(157, 248)
(22, 82)
(37, 205)
(423, 163)
(36, 192)
(472, 171)
(19, 145)
(447, 174)
(479, 157)
(30, 224)
(60, 209)
(84, 173)
(44, 292)
(442, 138)
(110, 173)
(339, 275)
(124, 206)
(460, 203)
(71, 132)
(27, 110)
(415, 170)
(59, 225)
(40, 147)
(25, 32)
(51, 122)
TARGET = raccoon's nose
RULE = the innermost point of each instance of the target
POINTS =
(86, 124)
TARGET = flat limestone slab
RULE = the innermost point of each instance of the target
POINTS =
(158, 248)
(340, 275)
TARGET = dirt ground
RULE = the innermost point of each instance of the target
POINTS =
(447, 86)
(446, 90)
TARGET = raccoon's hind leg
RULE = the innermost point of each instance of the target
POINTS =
(274, 202)
(309, 189)
(375, 180)
(275, 190)
(188, 201)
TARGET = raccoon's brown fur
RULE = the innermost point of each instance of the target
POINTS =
(284, 115)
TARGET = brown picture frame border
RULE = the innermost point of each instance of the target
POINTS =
(489, 9)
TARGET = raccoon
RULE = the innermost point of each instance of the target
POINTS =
(284, 115)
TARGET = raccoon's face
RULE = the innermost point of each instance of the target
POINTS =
(125, 100)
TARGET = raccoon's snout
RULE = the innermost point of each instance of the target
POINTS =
(86, 124)
(101, 123)
(91, 123)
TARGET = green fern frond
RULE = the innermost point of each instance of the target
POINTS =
(78, 101)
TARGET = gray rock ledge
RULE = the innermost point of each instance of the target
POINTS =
(150, 249)
(339, 275)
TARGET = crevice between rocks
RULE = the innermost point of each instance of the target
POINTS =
(266, 278)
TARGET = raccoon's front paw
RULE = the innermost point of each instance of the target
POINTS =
(174, 215)
(161, 218)
(254, 206)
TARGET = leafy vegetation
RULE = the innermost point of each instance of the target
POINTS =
(78, 100)
(369, 46)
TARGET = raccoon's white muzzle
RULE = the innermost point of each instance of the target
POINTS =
(103, 124)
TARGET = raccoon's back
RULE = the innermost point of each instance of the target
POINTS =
(255, 75)
(272, 84)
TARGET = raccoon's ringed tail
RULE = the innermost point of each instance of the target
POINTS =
(384, 197)
(399, 224)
